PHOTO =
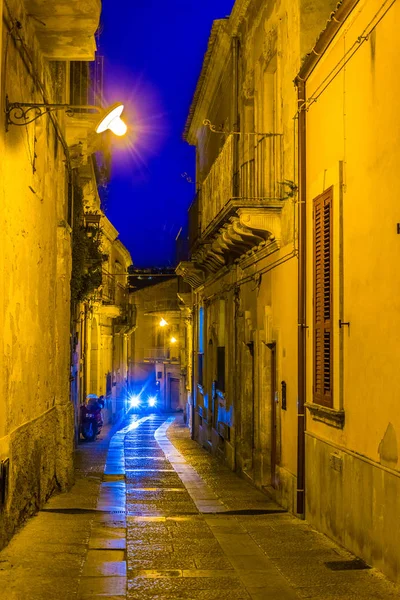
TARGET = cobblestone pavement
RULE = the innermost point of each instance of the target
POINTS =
(44, 560)
(153, 515)
(196, 530)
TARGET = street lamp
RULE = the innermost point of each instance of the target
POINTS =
(173, 340)
(111, 119)
(163, 322)
(23, 113)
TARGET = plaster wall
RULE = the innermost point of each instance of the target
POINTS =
(352, 146)
(36, 417)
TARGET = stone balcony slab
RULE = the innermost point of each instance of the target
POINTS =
(65, 28)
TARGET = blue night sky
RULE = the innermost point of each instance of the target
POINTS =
(153, 55)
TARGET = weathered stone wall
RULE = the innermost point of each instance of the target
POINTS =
(354, 501)
(36, 433)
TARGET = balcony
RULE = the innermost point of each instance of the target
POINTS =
(85, 89)
(162, 307)
(162, 355)
(237, 208)
(65, 28)
(126, 322)
(254, 185)
(113, 296)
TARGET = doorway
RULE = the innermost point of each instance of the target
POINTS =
(272, 347)
(174, 393)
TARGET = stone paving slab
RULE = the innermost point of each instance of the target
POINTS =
(175, 552)
(286, 545)
(94, 587)
(161, 526)
(44, 560)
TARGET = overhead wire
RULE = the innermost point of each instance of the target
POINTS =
(347, 56)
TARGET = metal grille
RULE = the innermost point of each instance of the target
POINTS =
(86, 82)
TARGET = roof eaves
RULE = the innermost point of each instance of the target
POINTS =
(335, 21)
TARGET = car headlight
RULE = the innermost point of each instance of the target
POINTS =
(135, 401)
(152, 401)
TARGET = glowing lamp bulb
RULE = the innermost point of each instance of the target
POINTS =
(173, 340)
(112, 120)
(152, 401)
(163, 323)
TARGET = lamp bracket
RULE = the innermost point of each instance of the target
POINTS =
(23, 113)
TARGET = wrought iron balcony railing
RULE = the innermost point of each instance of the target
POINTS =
(113, 292)
(86, 82)
(254, 183)
(156, 354)
(108, 288)
(161, 306)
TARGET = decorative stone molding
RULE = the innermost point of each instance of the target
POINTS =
(329, 416)
(269, 43)
(191, 273)
(248, 85)
(264, 222)
(241, 236)
(238, 14)
(186, 299)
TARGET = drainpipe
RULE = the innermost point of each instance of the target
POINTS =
(235, 114)
(326, 37)
(301, 366)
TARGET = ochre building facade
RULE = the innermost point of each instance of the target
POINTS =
(292, 236)
(46, 177)
(243, 240)
(348, 121)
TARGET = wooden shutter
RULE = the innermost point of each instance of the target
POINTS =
(323, 332)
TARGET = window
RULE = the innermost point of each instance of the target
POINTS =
(200, 346)
(323, 331)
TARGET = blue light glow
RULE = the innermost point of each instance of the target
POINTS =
(135, 401)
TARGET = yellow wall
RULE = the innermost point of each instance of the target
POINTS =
(355, 121)
(354, 126)
(36, 416)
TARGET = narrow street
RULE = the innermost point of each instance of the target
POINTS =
(153, 515)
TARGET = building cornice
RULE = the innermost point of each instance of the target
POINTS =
(213, 65)
(108, 228)
(124, 251)
(238, 14)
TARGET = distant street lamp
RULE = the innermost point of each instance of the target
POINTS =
(163, 322)
(173, 340)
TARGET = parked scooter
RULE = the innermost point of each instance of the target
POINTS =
(91, 417)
